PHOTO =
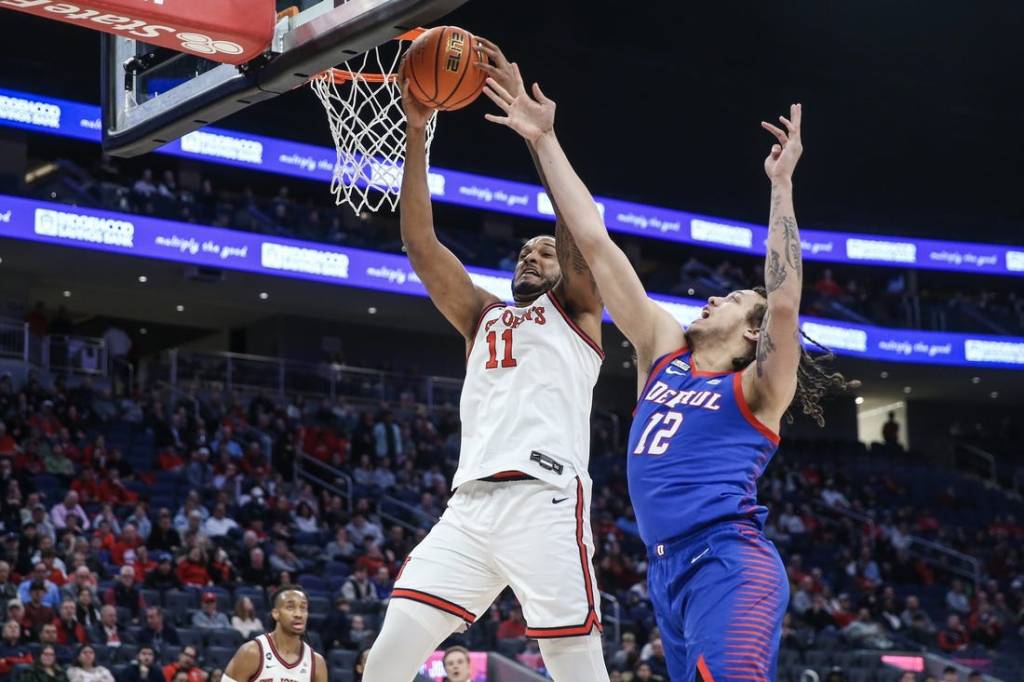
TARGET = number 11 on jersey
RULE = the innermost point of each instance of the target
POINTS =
(670, 422)
(492, 345)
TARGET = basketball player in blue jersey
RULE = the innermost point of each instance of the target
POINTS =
(711, 399)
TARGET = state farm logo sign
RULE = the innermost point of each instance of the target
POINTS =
(136, 28)
(197, 42)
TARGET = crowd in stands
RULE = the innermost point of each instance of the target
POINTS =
(142, 537)
(888, 298)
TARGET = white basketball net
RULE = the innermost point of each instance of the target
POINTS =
(368, 126)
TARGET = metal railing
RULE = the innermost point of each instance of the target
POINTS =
(974, 460)
(325, 476)
(237, 371)
(75, 354)
(947, 558)
(14, 340)
(396, 512)
(852, 514)
(611, 613)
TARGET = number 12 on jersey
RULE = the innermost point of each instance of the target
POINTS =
(492, 346)
(670, 423)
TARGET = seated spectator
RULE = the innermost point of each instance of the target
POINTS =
(86, 610)
(256, 571)
(219, 524)
(37, 613)
(957, 600)
(984, 627)
(157, 633)
(383, 583)
(337, 625)
(222, 570)
(51, 594)
(283, 559)
(60, 512)
(913, 609)
(208, 617)
(245, 620)
(628, 653)
(144, 669)
(659, 666)
(9, 589)
(644, 673)
(108, 632)
(84, 669)
(358, 587)
(804, 596)
(304, 519)
(164, 537)
(80, 578)
(953, 637)
(140, 519)
(46, 669)
(359, 635)
(125, 593)
(192, 570)
(842, 616)
(827, 286)
(361, 531)
(340, 548)
(127, 543)
(12, 650)
(48, 637)
(866, 633)
(185, 666)
(163, 577)
(69, 631)
(372, 559)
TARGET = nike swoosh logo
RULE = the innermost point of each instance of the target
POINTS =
(556, 501)
(696, 558)
(668, 370)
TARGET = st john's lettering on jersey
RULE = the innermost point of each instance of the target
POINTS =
(509, 318)
(661, 394)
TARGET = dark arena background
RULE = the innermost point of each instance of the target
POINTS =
(215, 382)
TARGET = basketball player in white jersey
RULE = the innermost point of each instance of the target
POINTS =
(280, 656)
(520, 512)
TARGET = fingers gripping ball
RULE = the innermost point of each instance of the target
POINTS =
(441, 68)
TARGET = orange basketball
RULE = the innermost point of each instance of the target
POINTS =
(441, 67)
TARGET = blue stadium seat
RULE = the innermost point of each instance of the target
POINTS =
(224, 637)
(341, 674)
(341, 658)
(313, 583)
(217, 656)
(191, 636)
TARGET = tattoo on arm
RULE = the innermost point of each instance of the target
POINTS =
(569, 256)
(776, 273)
(765, 346)
(791, 244)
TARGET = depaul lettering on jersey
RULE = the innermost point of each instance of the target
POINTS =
(661, 394)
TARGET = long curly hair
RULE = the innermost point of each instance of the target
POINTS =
(814, 380)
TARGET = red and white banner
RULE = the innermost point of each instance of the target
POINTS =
(229, 31)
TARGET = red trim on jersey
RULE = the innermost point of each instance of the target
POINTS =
(401, 568)
(479, 320)
(592, 620)
(702, 668)
(575, 327)
(508, 476)
(255, 676)
(436, 602)
(656, 368)
(700, 373)
(741, 400)
(273, 649)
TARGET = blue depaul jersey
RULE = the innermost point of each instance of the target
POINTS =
(695, 451)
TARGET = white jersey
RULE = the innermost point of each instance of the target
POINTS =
(527, 397)
(273, 668)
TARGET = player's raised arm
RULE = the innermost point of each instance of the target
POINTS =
(773, 376)
(577, 286)
(444, 276)
(650, 328)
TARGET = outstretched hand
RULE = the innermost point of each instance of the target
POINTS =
(417, 114)
(531, 118)
(782, 158)
(498, 67)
